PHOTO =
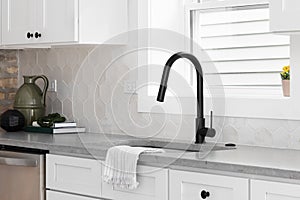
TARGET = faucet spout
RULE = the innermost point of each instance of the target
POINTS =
(165, 77)
(201, 130)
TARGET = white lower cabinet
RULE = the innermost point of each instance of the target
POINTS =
(198, 186)
(267, 190)
(52, 195)
(74, 175)
(72, 178)
(153, 185)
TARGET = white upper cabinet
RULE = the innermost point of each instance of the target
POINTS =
(62, 21)
(284, 15)
(0, 23)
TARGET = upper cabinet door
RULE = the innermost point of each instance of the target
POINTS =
(57, 21)
(284, 15)
(18, 21)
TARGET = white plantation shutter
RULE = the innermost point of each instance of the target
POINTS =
(247, 56)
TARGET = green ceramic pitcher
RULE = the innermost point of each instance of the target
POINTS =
(30, 100)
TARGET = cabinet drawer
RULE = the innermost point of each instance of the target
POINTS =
(198, 186)
(75, 175)
(51, 195)
(153, 185)
(267, 190)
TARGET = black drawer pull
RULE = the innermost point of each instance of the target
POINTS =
(204, 194)
(29, 35)
(37, 35)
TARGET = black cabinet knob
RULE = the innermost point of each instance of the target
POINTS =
(29, 35)
(37, 35)
(204, 194)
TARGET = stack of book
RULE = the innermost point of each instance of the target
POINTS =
(57, 128)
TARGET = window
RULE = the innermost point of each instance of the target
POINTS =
(247, 56)
(235, 34)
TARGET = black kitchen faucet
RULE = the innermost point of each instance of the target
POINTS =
(201, 130)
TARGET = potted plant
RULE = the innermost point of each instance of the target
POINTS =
(285, 77)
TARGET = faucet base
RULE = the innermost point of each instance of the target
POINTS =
(200, 140)
(202, 131)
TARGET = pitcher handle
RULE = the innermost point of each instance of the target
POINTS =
(46, 84)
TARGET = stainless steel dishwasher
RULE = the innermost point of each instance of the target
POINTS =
(22, 173)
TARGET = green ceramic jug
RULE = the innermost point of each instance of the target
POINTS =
(30, 100)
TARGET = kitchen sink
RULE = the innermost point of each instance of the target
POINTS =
(180, 146)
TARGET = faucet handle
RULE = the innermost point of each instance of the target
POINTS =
(211, 132)
(211, 119)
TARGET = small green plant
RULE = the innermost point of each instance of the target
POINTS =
(285, 74)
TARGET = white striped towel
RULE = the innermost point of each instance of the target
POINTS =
(121, 165)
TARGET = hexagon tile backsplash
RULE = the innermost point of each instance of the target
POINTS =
(92, 94)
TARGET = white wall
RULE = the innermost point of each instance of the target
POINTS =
(92, 93)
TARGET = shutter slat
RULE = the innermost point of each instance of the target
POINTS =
(227, 16)
(244, 41)
(247, 91)
(249, 53)
(249, 66)
(233, 29)
(258, 79)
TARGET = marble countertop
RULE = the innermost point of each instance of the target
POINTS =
(281, 163)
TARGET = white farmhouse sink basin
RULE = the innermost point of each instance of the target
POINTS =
(179, 145)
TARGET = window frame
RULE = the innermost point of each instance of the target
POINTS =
(145, 101)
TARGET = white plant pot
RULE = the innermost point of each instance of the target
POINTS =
(286, 88)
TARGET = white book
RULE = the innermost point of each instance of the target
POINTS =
(69, 130)
(58, 125)
(64, 124)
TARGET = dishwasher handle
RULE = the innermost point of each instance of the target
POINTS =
(25, 162)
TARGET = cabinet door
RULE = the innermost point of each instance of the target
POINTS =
(198, 186)
(284, 15)
(52, 195)
(153, 185)
(18, 19)
(266, 190)
(57, 21)
(74, 175)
